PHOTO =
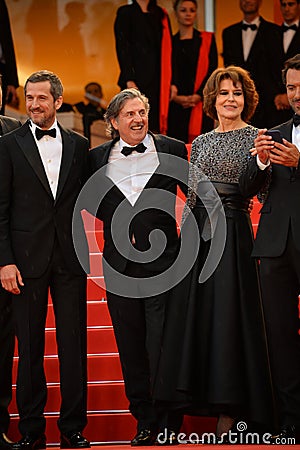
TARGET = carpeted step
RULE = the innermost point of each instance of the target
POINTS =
(97, 314)
(101, 339)
(101, 428)
(101, 367)
(102, 397)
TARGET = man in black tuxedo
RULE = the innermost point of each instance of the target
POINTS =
(145, 194)
(7, 336)
(277, 245)
(290, 11)
(8, 66)
(42, 169)
(255, 44)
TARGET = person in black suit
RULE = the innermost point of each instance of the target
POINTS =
(134, 163)
(42, 169)
(277, 245)
(8, 66)
(255, 44)
(7, 336)
(290, 11)
(143, 45)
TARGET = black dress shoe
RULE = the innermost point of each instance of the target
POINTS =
(286, 436)
(143, 437)
(5, 443)
(74, 440)
(30, 443)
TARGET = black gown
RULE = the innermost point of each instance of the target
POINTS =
(185, 53)
(214, 355)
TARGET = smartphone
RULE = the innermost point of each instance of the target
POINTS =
(276, 135)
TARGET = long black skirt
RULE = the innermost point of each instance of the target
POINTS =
(214, 356)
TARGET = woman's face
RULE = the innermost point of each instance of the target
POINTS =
(230, 100)
(186, 13)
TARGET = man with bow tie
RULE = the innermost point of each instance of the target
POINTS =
(255, 44)
(42, 169)
(133, 162)
(277, 245)
(290, 10)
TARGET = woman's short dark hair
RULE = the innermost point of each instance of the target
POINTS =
(56, 87)
(236, 74)
(178, 2)
(117, 103)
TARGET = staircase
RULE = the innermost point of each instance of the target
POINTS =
(109, 420)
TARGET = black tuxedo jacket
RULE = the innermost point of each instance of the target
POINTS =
(264, 64)
(281, 208)
(294, 47)
(30, 217)
(147, 220)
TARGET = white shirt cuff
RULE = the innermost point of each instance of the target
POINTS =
(261, 165)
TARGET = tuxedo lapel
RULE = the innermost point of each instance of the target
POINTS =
(286, 131)
(238, 41)
(28, 146)
(161, 148)
(68, 149)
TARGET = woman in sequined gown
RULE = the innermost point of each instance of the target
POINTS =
(214, 356)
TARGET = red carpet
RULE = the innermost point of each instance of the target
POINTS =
(109, 421)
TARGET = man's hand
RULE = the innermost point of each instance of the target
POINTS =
(11, 278)
(12, 98)
(286, 154)
(281, 102)
(131, 84)
(263, 145)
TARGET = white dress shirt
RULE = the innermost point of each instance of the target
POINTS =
(50, 150)
(131, 173)
(288, 35)
(248, 37)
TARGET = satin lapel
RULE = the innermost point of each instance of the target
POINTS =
(162, 148)
(68, 149)
(238, 40)
(286, 131)
(4, 127)
(28, 146)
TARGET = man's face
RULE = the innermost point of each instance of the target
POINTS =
(293, 89)
(290, 10)
(250, 6)
(95, 91)
(40, 104)
(132, 121)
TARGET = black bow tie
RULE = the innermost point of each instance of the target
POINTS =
(40, 133)
(296, 120)
(252, 26)
(140, 148)
(291, 27)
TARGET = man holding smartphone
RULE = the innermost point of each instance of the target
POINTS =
(277, 246)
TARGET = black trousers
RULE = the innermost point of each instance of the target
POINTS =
(7, 343)
(280, 279)
(68, 292)
(138, 327)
